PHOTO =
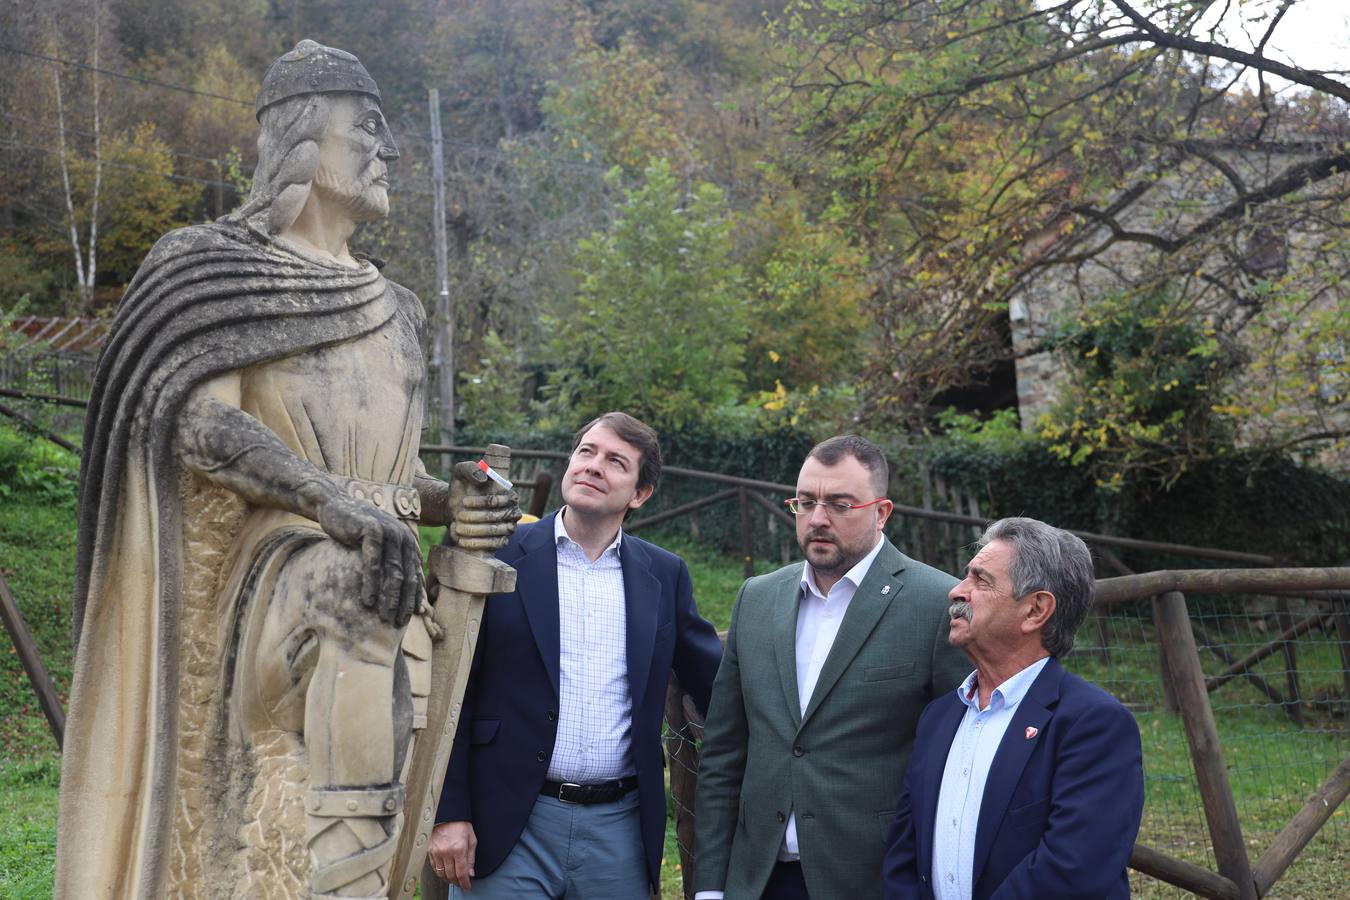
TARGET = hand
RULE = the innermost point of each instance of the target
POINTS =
(451, 852)
(391, 564)
(483, 515)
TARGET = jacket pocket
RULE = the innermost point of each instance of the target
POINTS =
(888, 673)
(482, 731)
(884, 819)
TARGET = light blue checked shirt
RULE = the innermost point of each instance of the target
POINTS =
(968, 761)
(595, 704)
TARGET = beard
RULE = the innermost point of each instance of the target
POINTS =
(834, 558)
(360, 197)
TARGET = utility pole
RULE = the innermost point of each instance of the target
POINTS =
(220, 188)
(444, 347)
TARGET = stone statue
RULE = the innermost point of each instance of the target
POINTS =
(254, 643)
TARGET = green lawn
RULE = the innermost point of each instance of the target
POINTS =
(28, 827)
(37, 550)
(1273, 765)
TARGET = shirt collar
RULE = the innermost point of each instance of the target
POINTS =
(560, 534)
(853, 576)
(1008, 694)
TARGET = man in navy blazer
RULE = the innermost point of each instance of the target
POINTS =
(555, 786)
(1027, 781)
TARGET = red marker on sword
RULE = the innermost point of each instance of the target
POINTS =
(494, 475)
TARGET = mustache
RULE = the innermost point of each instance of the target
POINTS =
(324, 177)
(817, 534)
(959, 609)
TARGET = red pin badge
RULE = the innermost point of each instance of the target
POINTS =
(1032, 731)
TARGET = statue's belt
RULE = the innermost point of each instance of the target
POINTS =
(394, 499)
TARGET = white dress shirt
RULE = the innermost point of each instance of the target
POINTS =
(818, 620)
(595, 703)
(962, 792)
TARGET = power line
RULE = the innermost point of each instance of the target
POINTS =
(47, 126)
(171, 176)
(412, 135)
(136, 78)
(409, 135)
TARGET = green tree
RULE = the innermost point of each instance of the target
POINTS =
(615, 105)
(1109, 147)
(660, 317)
(1144, 396)
(808, 307)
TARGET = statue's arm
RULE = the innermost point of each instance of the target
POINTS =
(435, 497)
(480, 514)
(225, 445)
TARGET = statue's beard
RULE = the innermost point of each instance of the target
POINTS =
(362, 199)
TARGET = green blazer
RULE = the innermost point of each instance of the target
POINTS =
(838, 766)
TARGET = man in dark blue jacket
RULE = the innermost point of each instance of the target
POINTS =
(1027, 781)
(555, 786)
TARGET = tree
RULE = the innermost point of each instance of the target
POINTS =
(989, 148)
(86, 260)
(659, 323)
(810, 285)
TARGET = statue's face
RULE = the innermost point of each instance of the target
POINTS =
(354, 158)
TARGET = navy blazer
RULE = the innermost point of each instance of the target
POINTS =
(509, 720)
(1061, 805)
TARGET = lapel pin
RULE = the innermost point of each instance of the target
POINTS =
(885, 589)
(1032, 731)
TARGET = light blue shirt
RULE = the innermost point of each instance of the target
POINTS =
(968, 761)
(595, 705)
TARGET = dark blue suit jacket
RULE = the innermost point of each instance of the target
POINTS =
(509, 720)
(1061, 808)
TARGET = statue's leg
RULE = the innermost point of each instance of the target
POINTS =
(319, 643)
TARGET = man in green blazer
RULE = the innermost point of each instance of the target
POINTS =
(828, 665)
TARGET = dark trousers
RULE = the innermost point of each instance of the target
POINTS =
(786, 882)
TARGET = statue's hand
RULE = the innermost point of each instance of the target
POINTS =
(391, 565)
(483, 514)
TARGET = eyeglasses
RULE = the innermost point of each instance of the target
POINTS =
(801, 506)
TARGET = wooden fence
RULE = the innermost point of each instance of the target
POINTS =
(1237, 878)
(935, 536)
(938, 536)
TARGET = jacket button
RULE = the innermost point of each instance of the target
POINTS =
(541, 756)
(780, 817)
(552, 715)
(798, 751)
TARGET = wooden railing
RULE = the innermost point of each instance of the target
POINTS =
(1237, 877)
(749, 495)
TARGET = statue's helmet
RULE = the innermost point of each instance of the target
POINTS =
(312, 68)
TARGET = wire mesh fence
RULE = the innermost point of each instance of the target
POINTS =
(1283, 725)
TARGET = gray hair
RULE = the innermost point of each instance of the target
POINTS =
(288, 158)
(1046, 558)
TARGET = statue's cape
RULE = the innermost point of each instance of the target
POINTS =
(208, 300)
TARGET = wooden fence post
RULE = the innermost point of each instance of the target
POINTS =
(1164, 668)
(683, 754)
(747, 536)
(926, 525)
(42, 683)
(1343, 641)
(1291, 661)
(1225, 830)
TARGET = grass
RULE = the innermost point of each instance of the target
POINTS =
(1273, 766)
(37, 551)
(28, 791)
